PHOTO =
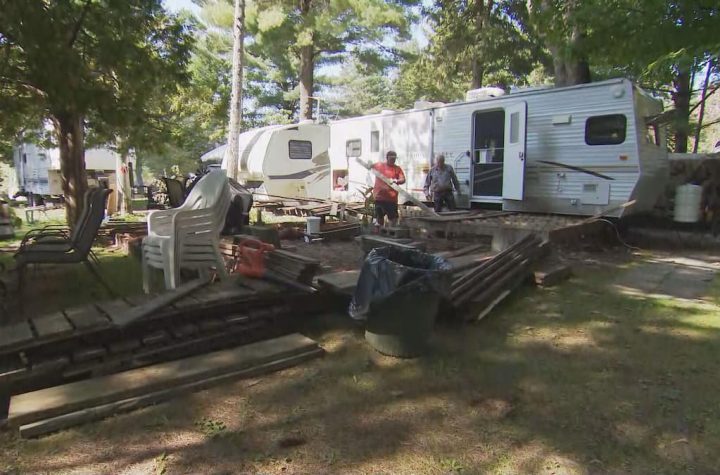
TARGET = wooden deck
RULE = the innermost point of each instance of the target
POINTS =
(106, 336)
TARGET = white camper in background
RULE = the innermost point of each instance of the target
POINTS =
(38, 170)
(574, 150)
(283, 160)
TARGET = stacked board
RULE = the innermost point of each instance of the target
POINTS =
(120, 334)
(47, 410)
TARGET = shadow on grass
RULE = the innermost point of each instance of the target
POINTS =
(49, 288)
(576, 379)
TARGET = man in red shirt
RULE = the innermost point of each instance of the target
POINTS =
(386, 199)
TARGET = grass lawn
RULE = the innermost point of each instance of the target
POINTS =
(49, 288)
(575, 379)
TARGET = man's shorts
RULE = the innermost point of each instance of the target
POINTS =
(386, 208)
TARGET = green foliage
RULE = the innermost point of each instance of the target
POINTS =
(99, 59)
(336, 31)
(211, 428)
(487, 40)
(99, 68)
(421, 78)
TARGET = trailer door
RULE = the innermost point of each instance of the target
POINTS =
(514, 164)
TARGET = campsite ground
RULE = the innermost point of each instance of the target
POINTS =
(586, 377)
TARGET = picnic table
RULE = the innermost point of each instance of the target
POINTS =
(30, 212)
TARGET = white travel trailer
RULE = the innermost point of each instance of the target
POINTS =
(574, 150)
(37, 170)
(283, 160)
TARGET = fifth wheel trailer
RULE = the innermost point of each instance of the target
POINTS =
(577, 150)
(283, 160)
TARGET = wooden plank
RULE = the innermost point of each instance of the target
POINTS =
(114, 309)
(259, 285)
(469, 261)
(224, 292)
(51, 402)
(15, 336)
(157, 303)
(65, 421)
(186, 302)
(88, 354)
(87, 316)
(551, 274)
(343, 282)
(463, 251)
(53, 325)
(124, 346)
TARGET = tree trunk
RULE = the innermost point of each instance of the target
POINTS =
(482, 12)
(681, 100)
(126, 205)
(138, 171)
(307, 67)
(477, 74)
(569, 61)
(559, 69)
(71, 137)
(231, 153)
(578, 72)
(703, 98)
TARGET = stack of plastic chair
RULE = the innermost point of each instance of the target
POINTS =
(188, 237)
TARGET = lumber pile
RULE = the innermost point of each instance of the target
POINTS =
(285, 265)
(292, 266)
(369, 242)
(120, 334)
(463, 251)
(48, 410)
(476, 292)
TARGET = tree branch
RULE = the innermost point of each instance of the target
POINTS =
(30, 87)
(712, 91)
(708, 124)
(78, 24)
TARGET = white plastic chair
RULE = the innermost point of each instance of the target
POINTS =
(188, 237)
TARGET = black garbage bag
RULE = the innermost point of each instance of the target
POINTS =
(389, 271)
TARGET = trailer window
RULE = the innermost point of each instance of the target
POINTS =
(375, 141)
(353, 148)
(514, 127)
(605, 129)
(300, 149)
(653, 134)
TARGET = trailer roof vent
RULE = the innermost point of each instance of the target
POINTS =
(484, 93)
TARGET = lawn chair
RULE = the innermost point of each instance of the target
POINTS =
(57, 245)
(188, 237)
(175, 191)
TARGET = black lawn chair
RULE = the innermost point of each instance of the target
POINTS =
(176, 192)
(52, 245)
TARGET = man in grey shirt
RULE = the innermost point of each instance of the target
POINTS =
(439, 185)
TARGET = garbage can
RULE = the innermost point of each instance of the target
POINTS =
(398, 295)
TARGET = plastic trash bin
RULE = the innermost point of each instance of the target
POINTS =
(398, 294)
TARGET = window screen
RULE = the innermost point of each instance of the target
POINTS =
(605, 129)
(300, 149)
(375, 141)
(353, 148)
